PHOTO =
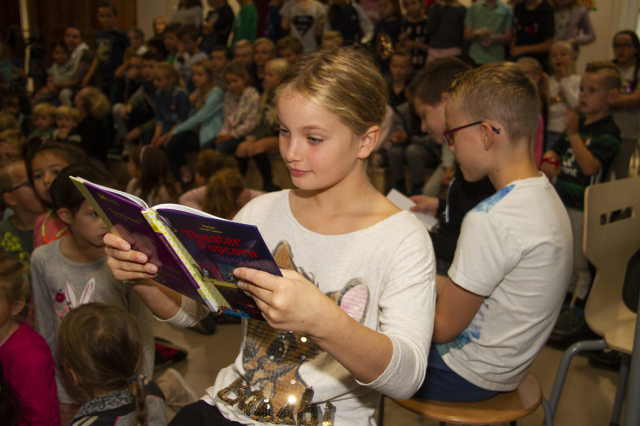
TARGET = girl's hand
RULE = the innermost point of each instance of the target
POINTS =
(288, 303)
(127, 264)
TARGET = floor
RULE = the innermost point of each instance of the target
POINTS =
(587, 397)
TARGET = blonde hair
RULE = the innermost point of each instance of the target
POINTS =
(44, 108)
(532, 66)
(102, 344)
(68, 111)
(332, 35)
(266, 42)
(502, 92)
(223, 189)
(13, 279)
(279, 65)
(7, 121)
(564, 44)
(94, 102)
(12, 137)
(329, 80)
(244, 43)
(211, 160)
(205, 64)
(608, 70)
(170, 72)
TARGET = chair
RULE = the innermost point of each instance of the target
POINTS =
(611, 238)
(503, 408)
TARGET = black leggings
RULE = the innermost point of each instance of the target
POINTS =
(200, 413)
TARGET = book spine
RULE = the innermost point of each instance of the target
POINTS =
(205, 288)
(87, 195)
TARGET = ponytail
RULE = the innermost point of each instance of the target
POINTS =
(136, 389)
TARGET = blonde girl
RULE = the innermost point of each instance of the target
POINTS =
(101, 348)
(67, 118)
(44, 120)
(172, 102)
(265, 141)
(207, 114)
(536, 74)
(357, 294)
(263, 51)
(93, 106)
(564, 89)
(151, 177)
(25, 355)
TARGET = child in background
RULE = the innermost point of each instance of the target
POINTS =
(331, 39)
(386, 34)
(170, 39)
(151, 177)
(303, 19)
(243, 53)
(16, 232)
(206, 113)
(43, 117)
(223, 189)
(188, 54)
(27, 361)
(533, 70)
(133, 76)
(533, 30)
(414, 32)
(11, 107)
(572, 24)
(350, 21)
(172, 102)
(446, 28)
(108, 371)
(488, 26)
(626, 108)
(240, 108)
(209, 162)
(111, 44)
(159, 25)
(93, 106)
(290, 48)
(216, 27)
(265, 141)
(11, 68)
(273, 21)
(263, 51)
(246, 24)
(580, 159)
(66, 124)
(136, 40)
(73, 271)
(331, 165)
(221, 56)
(564, 89)
(11, 141)
(400, 67)
(44, 162)
(188, 12)
(59, 71)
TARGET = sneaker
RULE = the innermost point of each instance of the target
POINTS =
(569, 321)
(176, 392)
(167, 353)
(607, 359)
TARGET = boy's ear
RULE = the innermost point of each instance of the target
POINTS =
(9, 199)
(368, 142)
(488, 135)
(64, 214)
(17, 306)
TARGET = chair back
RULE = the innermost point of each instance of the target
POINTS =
(611, 238)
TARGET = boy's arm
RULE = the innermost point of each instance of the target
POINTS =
(588, 163)
(455, 309)
(531, 48)
(87, 78)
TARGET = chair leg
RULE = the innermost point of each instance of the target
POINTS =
(561, 375)
(381, 411)
(548, 415)
(621, 391)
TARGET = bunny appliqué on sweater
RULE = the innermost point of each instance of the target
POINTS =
(272, 388)
(66, 300)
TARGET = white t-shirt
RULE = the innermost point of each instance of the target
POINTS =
(515, 249)
(570, 86)
(303, 22)
(382, 276)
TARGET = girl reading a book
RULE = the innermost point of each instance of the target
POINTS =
(357, 296)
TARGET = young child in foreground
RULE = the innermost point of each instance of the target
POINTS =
(507, 281)
(581, 157)
(101, 348)
(357, 330)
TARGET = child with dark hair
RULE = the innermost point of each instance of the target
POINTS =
(60, 71)
(101, 347)
(73, 271)
(400, 68)
(290, 49)
(188, 54)
(151, 177)
(221, 56)
(170, 40)
(111, 44)
(216, 27)
(27, 361)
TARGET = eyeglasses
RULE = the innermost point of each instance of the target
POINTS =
(18, 186)
(447, 135)
(623, 46)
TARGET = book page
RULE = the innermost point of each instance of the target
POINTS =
(404, 203)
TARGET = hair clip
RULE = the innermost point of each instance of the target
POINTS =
(131, 379)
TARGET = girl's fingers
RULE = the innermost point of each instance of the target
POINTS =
(126, 271)
(259, 278)
(127, 256)
(113, 240)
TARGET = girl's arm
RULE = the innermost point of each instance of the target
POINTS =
(211, 107)
(627, 100)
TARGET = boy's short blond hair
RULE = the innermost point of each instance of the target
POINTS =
(241, 44)
(500, 92)
(12, 137)
(608, 70)
(43, 109)
(266, 42)
(68, 111)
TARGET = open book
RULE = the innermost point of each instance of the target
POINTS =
(195, 252)
(405, 203)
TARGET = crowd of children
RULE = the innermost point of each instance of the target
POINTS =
(478, 113)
